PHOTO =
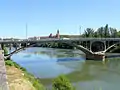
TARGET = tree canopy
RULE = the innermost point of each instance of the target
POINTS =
(102, 32)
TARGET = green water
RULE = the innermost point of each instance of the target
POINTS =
(47, 64)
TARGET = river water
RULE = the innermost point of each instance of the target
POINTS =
(48, 63)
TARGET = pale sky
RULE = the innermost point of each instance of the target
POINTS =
(46, 16)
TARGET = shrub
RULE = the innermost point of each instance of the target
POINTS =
(5, 50)
(16, 65)
(62, 83)
(9, 63)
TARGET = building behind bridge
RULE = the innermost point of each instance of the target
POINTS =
(45, 37)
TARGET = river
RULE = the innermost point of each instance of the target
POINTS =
(48, 63)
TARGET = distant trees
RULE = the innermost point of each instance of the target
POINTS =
(102, 32)
(89, 32)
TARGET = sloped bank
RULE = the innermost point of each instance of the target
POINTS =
(19, 79)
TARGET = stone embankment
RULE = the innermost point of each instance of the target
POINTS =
(3, 76)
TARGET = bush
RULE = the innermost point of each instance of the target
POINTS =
(16, 65)
(35, 82)
(5, 50)
(62, 83)
(9, 63)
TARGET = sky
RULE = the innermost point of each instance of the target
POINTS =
(46, 16)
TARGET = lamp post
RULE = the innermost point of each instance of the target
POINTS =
(80, 34)
(80, 31)
(26, 34)
(26, 30)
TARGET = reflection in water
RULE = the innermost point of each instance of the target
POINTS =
(85, 75)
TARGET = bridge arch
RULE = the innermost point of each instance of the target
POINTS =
(98, 46)
(80, 47)
(18, 50)
(112, 47)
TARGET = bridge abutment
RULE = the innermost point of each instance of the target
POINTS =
(2, 46)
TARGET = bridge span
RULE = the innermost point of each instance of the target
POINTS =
(94, 48)
(60, 39)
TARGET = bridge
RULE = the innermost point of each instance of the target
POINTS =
(94, 48)
(87, 45)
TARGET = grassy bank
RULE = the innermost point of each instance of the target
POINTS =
(19, 78)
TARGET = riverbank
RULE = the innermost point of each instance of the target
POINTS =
(19, 79)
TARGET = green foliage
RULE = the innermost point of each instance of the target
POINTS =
(35, 82)
(57, 45)
(62, 83)
(89, 32)
(59, 83)
(16, 65)
(9, 63)
(102, 32)
(5, 50)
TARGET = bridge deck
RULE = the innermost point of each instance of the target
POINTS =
(3, 76)
(61, 39)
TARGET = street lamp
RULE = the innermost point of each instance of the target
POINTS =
(26, 34)
(26, 30)
(80, 31)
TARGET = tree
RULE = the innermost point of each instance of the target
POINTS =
(113, 32)
(118, 34)
(106, 30)
(62, 83)
(96, 34)
(100, 32)
(89, 32)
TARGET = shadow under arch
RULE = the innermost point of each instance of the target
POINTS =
(97, 46)
(79, 47)
(112, 47)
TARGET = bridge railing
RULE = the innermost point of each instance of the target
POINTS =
(60, 39)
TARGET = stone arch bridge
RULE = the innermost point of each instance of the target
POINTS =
(94, 48)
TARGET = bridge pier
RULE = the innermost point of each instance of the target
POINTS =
(2, 46)
(95, 57)
(10, 47)
(90, 46)
(105, 45)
